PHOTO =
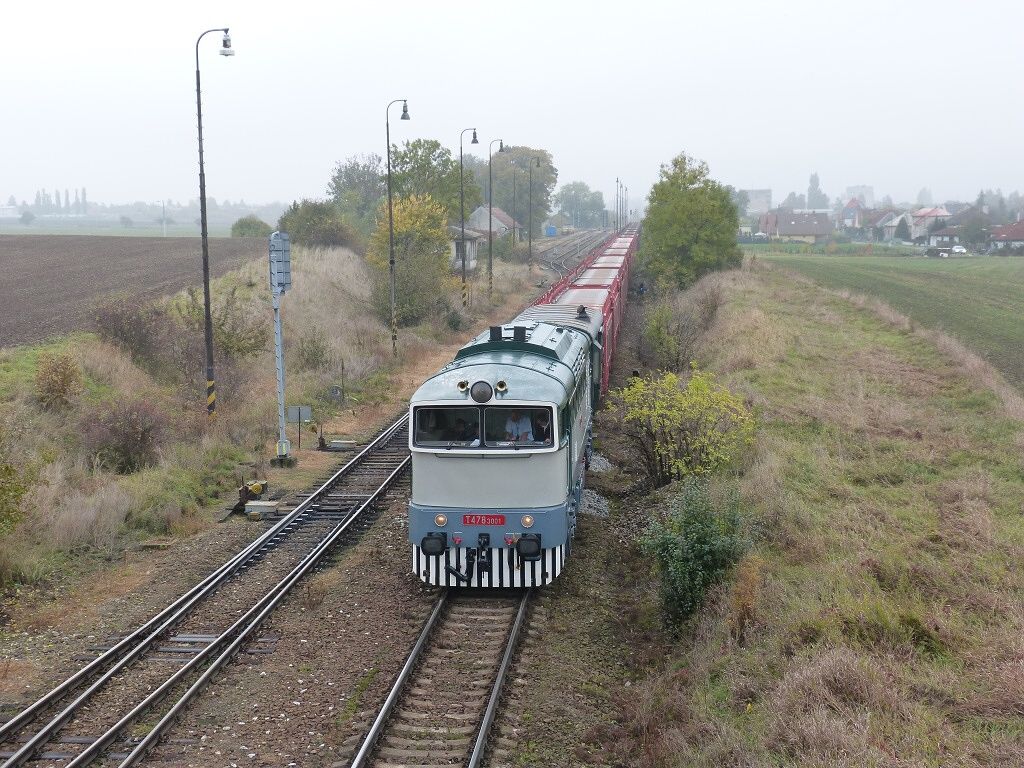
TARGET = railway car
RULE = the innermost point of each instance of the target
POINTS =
(501, 437)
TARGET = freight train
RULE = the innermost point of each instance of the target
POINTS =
(501, 436)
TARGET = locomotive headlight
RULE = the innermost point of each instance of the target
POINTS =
(440, 520)
(527, 521)
(481, 392)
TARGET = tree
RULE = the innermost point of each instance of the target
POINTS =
(511, 183)
(316, 224)
(424, 167)
(127, 222)
(27, 217)
(974, 231)
(580, 204)
(924, 196)
(85, 202)
(422, 269)
(816, 198)
(902, 229)
(78, 203)
(12, 201)
(793, 200)
(357, 186)
(690, 227)
(251, 226)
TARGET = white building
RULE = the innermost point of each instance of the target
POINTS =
(501, 222)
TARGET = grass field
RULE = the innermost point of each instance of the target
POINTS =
(878, 619)
(978, 300)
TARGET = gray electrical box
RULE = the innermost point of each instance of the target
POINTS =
(280, 262)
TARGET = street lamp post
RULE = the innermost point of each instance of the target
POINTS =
(391, 224)
(211, 390)
(616, 202)
(529, 216)
(515, 227)
(462, 211)
(490, 214)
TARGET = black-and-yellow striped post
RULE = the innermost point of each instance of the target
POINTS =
(465, 293)
(211, 398)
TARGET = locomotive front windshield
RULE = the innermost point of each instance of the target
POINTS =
(502, 427)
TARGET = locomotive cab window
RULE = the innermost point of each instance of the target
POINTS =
(511, 426)
(445, 427)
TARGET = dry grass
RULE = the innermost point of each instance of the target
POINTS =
(881, 621)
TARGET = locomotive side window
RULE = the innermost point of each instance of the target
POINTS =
(509, 426)
(446, 426)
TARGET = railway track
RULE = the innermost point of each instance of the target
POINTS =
(441, 707)
(561, 258)
(119, 705)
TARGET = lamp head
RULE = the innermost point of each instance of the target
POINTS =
(474, 141)
(538, 162)
(405, 110)
(225, 45)
(501, 145)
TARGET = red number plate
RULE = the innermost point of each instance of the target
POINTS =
(483, 519)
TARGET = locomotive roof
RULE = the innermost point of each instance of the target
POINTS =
(545, 367)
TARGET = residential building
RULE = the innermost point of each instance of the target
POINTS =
(758, 201)
(852, 214)
(501, 222)
(796, 226)
(1007, 236)
(923, 220)
(946, 236)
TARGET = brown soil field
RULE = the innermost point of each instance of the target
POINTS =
(51, 281)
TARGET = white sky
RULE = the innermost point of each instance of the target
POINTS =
(896, 95)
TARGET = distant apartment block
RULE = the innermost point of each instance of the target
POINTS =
(758, 201)
(862, 192)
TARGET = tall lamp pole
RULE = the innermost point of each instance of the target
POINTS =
(490, 215)
(529, 217)
(211, 390)
(462, 210)
(391, 224)
(626, 208)
(617, 206)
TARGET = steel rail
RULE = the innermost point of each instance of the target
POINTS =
(251, 621)
(492, 703)
(122, 654)
(396, 689)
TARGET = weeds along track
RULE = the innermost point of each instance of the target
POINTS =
(443, 702)
(118, 706)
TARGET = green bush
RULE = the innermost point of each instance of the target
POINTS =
(316, 224)
(694, 546)
(680, 429)
(314, 353)
(13, 488)
(125, 435)
(251, 226)
(137, 327)
(239, 328)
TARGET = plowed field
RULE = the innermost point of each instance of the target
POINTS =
(50, 283)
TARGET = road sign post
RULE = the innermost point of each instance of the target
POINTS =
(280, 282)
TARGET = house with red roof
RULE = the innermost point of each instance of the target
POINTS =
(501, 222)
(1007, 236)
(924, 220)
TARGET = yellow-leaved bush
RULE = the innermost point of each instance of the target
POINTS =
(682, 428)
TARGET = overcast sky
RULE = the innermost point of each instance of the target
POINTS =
(896, 95)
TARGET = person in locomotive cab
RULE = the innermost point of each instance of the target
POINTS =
(542, 428)
(518, 428)
(462, 432)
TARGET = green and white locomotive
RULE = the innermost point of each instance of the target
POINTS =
(500, 438)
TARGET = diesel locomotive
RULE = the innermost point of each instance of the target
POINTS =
(501, 436)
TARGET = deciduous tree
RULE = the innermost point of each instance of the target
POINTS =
(422, 269)
(425, 167)
(357, 186)
(690, 227)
